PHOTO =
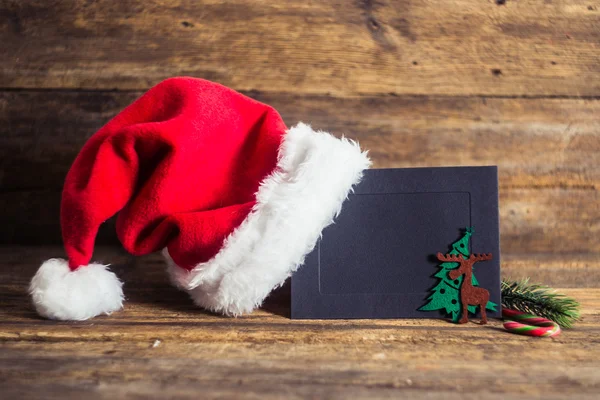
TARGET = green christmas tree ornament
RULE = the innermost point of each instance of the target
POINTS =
(446, 294)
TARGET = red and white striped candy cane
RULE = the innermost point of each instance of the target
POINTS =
(529, 325)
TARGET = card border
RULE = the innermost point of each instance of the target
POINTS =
(307, 302)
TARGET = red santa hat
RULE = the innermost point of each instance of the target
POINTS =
(214, 179)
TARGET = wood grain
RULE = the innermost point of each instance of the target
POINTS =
(161, 346)
(554, 270)
(548, 152)
(419, 83)
(462, 47)
(532, 221)
(19, 264)
(537, 143)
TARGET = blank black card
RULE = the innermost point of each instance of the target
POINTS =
(378, 259)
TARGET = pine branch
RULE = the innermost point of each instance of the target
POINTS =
(541, 301)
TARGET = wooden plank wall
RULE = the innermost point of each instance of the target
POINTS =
(418, 82)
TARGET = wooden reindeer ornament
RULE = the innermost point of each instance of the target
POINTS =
(469, 294)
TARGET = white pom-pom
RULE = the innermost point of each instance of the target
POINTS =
(59, 293)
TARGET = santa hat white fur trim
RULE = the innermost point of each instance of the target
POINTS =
(314, 174)
(59, 293)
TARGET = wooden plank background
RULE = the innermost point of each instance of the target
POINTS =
(419, 83)
(459, 47)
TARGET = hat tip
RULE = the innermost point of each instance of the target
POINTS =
(61, 294)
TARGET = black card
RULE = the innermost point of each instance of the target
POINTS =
(378, 260)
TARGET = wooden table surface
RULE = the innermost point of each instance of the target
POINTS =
(161, 346)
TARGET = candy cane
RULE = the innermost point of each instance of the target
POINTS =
(529, 325)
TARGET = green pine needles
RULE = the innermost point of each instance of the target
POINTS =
(541, 301)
